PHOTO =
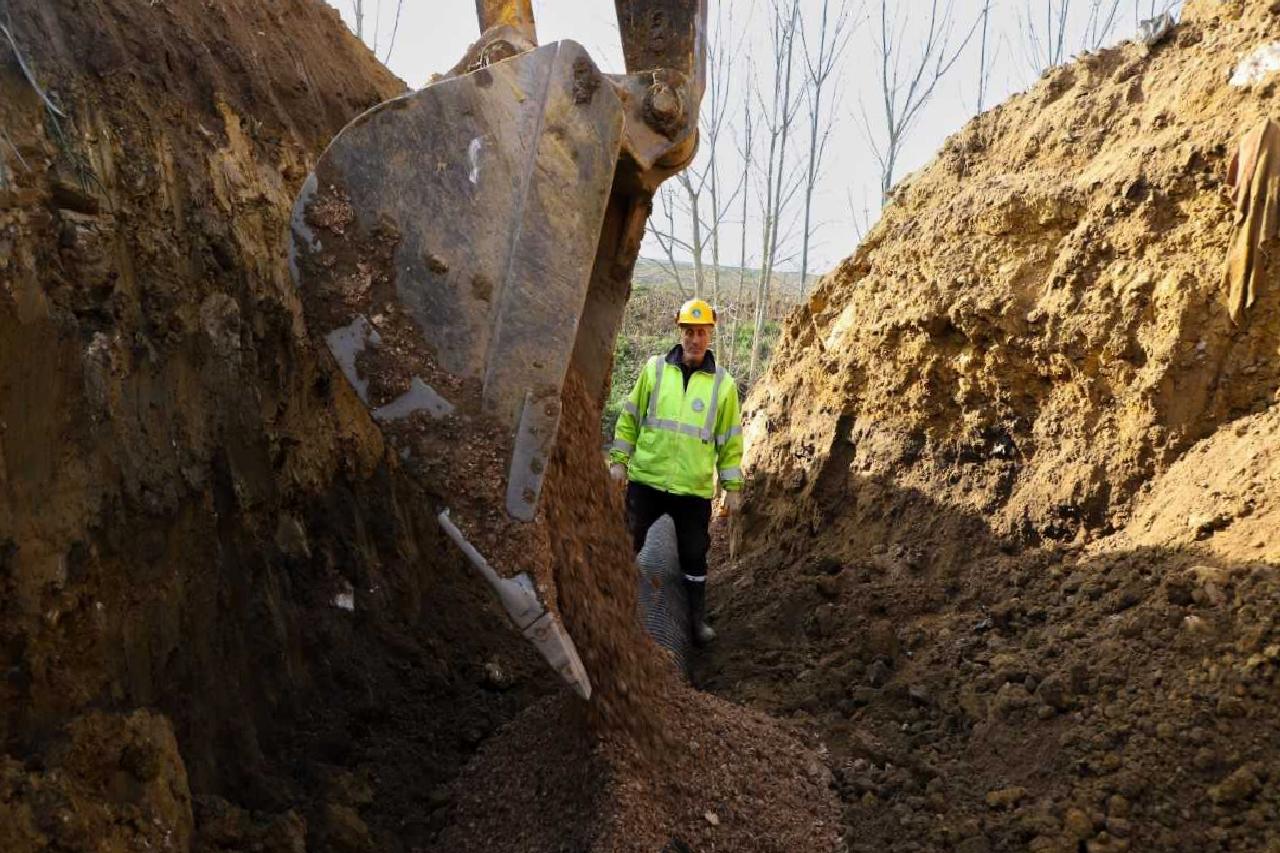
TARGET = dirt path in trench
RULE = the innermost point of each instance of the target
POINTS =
(648, 764)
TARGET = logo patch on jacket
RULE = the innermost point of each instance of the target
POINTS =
(698, 405)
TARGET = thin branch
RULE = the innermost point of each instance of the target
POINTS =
(903, 101)
(395, 29)
(984, 75)
(668, 237)
(818, 70)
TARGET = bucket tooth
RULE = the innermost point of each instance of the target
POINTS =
(537, 624)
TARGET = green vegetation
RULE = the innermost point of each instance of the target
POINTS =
(647, 327)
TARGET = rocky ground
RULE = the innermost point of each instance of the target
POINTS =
(1010, 545)
(1037, 700)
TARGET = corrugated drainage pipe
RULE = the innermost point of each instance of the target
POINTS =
(664, 606)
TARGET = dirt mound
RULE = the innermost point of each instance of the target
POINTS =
(730, 779)
(1034, 701)
(1223, 493)
(649, 764)
(196, 518)
(1061, 334)
(1010, 532)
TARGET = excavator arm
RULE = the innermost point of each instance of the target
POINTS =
(459, 248)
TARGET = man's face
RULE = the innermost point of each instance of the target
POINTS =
(695, 340)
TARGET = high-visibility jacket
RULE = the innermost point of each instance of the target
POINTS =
(680, 439)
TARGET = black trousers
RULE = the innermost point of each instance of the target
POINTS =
(692, 516)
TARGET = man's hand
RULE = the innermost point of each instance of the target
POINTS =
(618, 472)
(733, 502)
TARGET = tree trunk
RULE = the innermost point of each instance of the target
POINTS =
(715, 236)
(982, 58)
(742, 257)
(774, 215)
(699, 280)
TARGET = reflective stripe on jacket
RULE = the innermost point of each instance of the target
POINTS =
(680, 439)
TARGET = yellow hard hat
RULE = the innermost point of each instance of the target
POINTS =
(696, 312)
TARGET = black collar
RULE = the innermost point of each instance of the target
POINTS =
(676, 357)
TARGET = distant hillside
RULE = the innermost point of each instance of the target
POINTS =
(652, 272)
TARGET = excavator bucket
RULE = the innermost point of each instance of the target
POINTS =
(443, 248)
(460, 247)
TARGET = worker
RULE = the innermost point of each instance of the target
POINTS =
(679, 431)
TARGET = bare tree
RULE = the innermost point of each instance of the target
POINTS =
(359, 9)
(665, 235)
(395, 30)
(721, 52)
(697, 240)
(905, 91)
(1101, 23)
(703, 204)
(688, 207)
(748, 129)
(984, 62)
(1046, 39)
(781, 112)
(833, 37)
(1047, 46)
(859, 215)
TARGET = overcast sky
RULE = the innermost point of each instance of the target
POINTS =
(433, 34)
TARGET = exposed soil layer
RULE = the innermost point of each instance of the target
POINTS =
(197, 516)
(131, 759)
(1010, 537)
(1037, 701)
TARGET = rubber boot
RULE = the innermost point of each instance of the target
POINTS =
(701, 632)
